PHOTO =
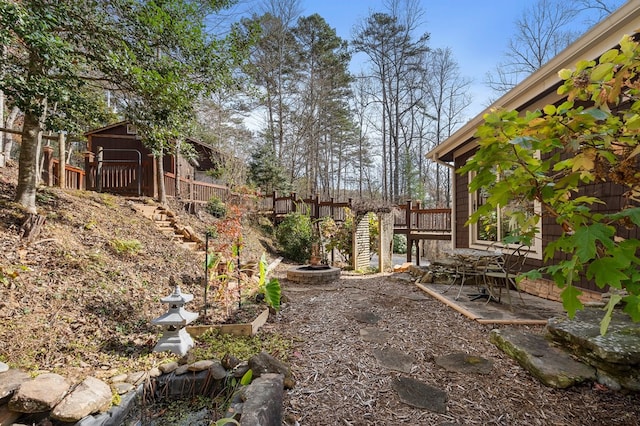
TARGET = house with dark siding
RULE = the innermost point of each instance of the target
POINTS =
(538, 90)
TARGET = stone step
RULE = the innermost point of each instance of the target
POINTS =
(163, 224)
(549, 364)
(189, 245)
(616, 355)
(146, 210)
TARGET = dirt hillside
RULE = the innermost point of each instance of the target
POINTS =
(79, 298)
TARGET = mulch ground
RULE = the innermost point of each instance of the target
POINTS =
(341, 382)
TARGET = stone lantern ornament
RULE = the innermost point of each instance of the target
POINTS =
(175, 338)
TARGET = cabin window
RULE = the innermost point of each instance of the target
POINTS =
(131, 129)
(499, 227)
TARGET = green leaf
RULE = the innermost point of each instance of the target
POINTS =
(262, 268)
(606, 271)
(570, 300)
(586, 238)
(596, 113)
(246, 378)
(564, 74)
(606, 320)
(632, 307)
(609, 56)
(272, 293)
(549, 109)
(604, 71)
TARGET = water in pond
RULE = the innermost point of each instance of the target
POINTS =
(175, 413)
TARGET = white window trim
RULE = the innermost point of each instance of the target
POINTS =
(534, 251)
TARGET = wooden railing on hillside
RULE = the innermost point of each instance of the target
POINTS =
(409, 218)
(280, 206)
(194, 191)
(74, 177)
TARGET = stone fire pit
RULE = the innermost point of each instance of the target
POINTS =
(313, 274)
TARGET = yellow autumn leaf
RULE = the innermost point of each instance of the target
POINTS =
(584, 161)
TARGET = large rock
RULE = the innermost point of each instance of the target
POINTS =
(550, 365)
(90, 396)
(10, 381)
(264, 363)
(616, 355)
(263, 401)
(39, 394)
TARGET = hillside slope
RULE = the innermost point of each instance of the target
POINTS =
(74, 300)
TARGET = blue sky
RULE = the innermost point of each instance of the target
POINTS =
(477, 32)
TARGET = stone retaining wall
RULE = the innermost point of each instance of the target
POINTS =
(51, 396)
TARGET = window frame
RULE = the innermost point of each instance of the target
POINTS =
(534, 251)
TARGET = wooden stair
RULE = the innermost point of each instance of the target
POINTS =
(166, 222)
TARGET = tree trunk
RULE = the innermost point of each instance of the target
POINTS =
(177, 192)
(162, 193)
(63, 161)
(27, 179)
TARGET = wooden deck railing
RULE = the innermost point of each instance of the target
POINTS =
(74, 177)
(194, 191)
(409, 218)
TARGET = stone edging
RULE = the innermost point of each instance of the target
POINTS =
(259, 403)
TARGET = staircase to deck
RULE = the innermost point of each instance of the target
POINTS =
(166, 222)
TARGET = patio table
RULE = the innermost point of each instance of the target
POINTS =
(474, 263)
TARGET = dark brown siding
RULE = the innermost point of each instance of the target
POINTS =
(462, 203)
(611, 194)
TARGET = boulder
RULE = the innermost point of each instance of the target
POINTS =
(550, 365)
(264, 363)
(616, 355)
(10, 381)
(39, 394)
(263, 401)
(91, 396)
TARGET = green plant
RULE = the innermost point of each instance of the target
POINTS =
(270, 289)
(399, 243)
(125, 247)
(339, 237)
(216, 207)
(550, 157)
(7, 274)
(215, 345)
(294, 234)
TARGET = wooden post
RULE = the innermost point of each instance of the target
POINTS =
(47, 169)
(153, 180)
(89, 179)
(62, 165)
(273, 208)
(99, 169)
(409, 240)
(293, 198)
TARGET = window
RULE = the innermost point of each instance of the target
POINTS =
(494, 228)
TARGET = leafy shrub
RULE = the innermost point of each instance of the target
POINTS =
(126, 247)
(294, 235)
(400, 244)
(216, 208)
(339, 237)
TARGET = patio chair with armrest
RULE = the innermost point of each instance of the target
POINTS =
(504, 271)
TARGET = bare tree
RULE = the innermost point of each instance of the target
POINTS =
(388, 39)
(542, 31)
(447, 98)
